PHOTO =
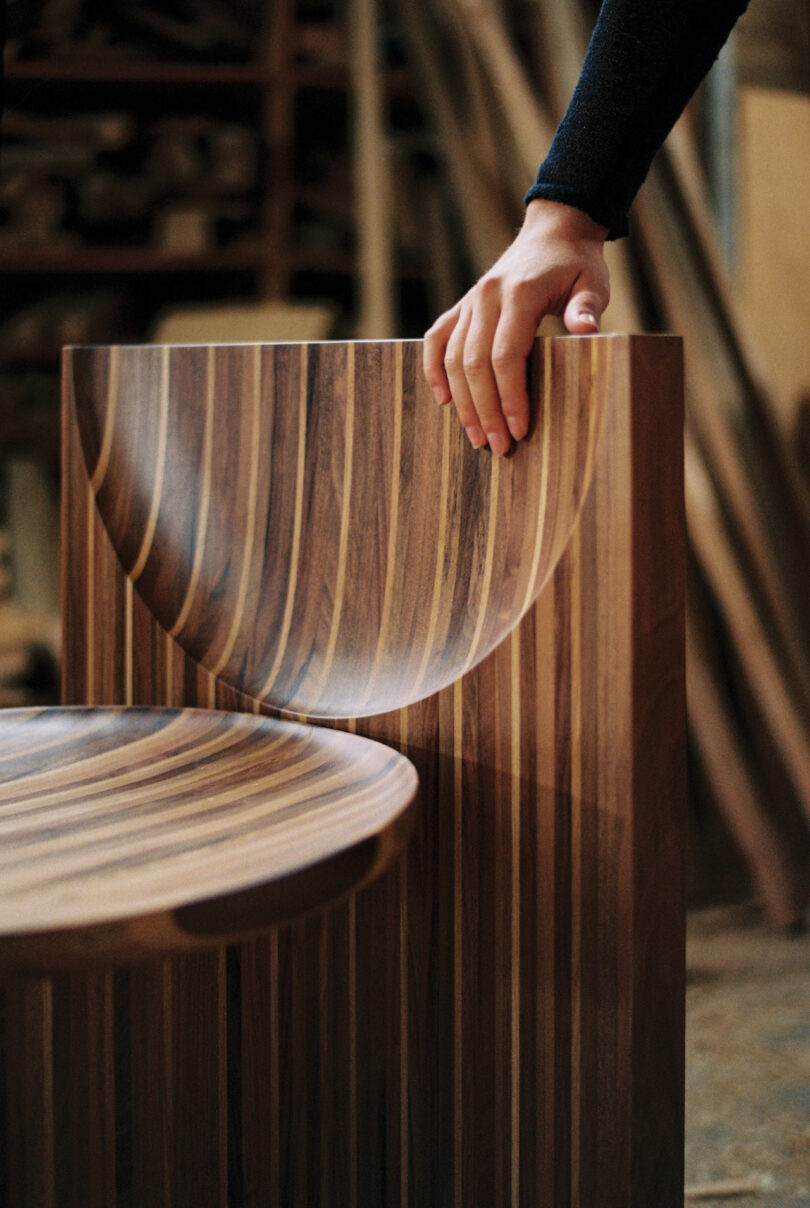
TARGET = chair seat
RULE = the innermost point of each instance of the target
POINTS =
(127, 832)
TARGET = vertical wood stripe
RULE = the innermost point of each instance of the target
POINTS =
(440, 546)
(90, 615)
(109, 421)
(515, 821)
(404, 1006)
(345, 513)
(485, 601)
(295, 553)
(354, 1129)
(250, 512)
(201, 529)
(458, 943)
(128, 681)
(160, 468)
(393, 528)
(545, 409)
(577, 887)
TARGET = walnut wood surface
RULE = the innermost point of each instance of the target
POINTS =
(250, 490)
(129, 832)
(498, 1021)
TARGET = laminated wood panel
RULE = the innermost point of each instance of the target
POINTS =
(499, 1021)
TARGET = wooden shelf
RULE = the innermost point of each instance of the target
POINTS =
(328, 75)
(113, 70)
(135, 260)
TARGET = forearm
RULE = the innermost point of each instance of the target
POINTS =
(644, 62)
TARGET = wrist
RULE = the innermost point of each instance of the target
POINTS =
(563, 219)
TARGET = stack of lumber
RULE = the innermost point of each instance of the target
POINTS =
(495, 78)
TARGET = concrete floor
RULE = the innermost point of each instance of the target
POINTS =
(747, 1062)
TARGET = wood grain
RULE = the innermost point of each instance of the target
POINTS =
(216, 545)
(126, 832)
(499, 1021)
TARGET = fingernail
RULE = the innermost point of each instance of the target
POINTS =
(498, 443)
(516, 428)
(476, 436)
(586, 317)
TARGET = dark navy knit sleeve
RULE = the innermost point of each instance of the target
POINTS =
(645, 60)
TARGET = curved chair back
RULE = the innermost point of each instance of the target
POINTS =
(311, 528)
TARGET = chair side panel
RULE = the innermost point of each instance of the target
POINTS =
(481, 1027)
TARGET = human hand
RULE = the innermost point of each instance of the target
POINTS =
(475, 353)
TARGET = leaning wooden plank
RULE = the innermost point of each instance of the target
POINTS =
(562, 33)
(375, 252)
(756, 408)
(442, 278)
(276, 50)
(733, 787)
(530, 128)
(487, 216)
(722, 1190)
(750, 640)
(713, 402)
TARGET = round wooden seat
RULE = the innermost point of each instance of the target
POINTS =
(126, 832)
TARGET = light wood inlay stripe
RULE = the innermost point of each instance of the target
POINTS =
(515, 785)
(404, 1153)
(274, 1138)
(485, 603)
(295, 549)
(128, 653)
(458, 943)
(354, 1134)
(248, 552)
(441, 546)
(541, 534)
(393, 527)
(599, 356)
(345, 515)
(109, 422)
(90, 609)
(157, 488)
(168, 663)
(577, 886)
(204, 505)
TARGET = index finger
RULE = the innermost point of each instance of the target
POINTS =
(434, 347)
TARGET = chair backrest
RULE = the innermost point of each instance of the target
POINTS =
(500, 1020)
(311, 528)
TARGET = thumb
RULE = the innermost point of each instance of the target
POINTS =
(584, 311)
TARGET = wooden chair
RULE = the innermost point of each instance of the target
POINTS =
(300, 531)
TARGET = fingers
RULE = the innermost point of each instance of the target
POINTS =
(475, 354)
(475, 381)
(511, 346)
(462, 398)
(434, 348)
